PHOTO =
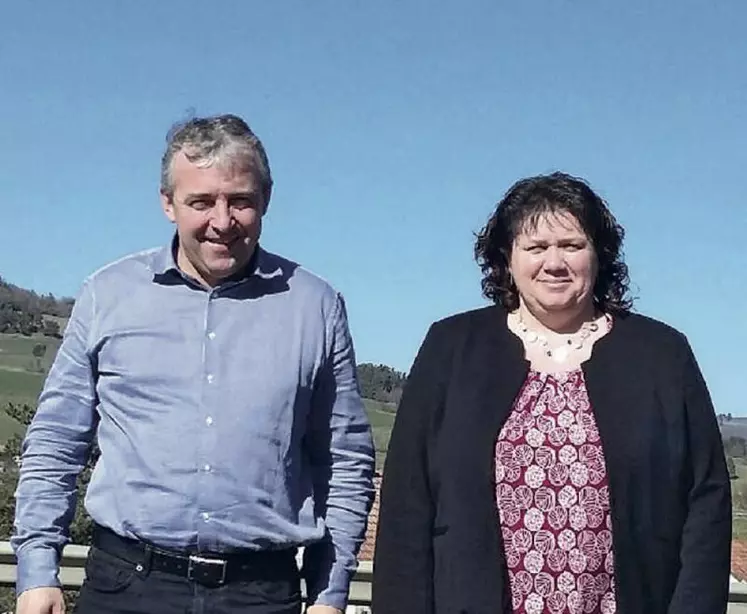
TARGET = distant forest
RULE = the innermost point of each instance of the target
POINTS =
(23, 311)
(380, 382)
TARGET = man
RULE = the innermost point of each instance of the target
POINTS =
(219, 380)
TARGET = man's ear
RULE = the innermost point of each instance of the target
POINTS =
(167, 203)
(266, 204)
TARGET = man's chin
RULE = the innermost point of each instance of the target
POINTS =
(225, 263)
(227, 268)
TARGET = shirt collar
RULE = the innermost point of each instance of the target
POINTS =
(166, 270)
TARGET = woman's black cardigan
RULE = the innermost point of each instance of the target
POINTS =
(439, 548)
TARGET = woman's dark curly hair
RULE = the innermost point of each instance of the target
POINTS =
(523, 204)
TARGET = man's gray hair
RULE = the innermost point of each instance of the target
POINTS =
(220, 139)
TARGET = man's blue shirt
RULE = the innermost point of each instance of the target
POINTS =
(227, 418)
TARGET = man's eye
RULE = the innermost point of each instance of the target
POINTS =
(242, 203)
(200, 205)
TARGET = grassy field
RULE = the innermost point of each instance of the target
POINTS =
(8, 427)
(16, 387)
(16, 352)
(21, 375)
(19, 386)
(381, 416)
(739, 528)
(739, 500)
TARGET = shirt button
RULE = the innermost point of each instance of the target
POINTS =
(210, 378)
(209, 420)
(207, 467)
(205, 516)
(211, 335)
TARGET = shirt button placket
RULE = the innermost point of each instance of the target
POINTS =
(208, 403)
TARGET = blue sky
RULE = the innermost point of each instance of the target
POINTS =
(392, 128)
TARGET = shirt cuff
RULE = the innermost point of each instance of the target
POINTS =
(334, 596)
(37, 568)
(333, 587)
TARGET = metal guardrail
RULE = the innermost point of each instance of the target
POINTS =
(72, 573)
(71, 570)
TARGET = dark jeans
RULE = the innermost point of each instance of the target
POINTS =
(115, 586)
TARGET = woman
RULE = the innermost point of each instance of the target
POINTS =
(553, 452)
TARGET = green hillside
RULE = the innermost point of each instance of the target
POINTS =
(381, 415)
(25, 360)
(17, 352)
(8, 427)
(19, 386)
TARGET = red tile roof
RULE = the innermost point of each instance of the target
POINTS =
(367, 549)
(739, 560)
(738, 547)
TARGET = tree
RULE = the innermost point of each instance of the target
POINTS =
(732, 468)
(81, 529)
(380, 382)
(739, 495)
(736, 447)
(51, 329)
(38, 351)
(21, 310)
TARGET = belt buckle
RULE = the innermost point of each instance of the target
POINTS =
(207, 571)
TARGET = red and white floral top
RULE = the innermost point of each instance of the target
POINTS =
(553, 500)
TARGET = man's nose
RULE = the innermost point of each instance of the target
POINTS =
(222, 219)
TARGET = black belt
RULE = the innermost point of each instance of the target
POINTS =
(209, 569)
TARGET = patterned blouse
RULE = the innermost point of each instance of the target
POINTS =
(553, 500)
